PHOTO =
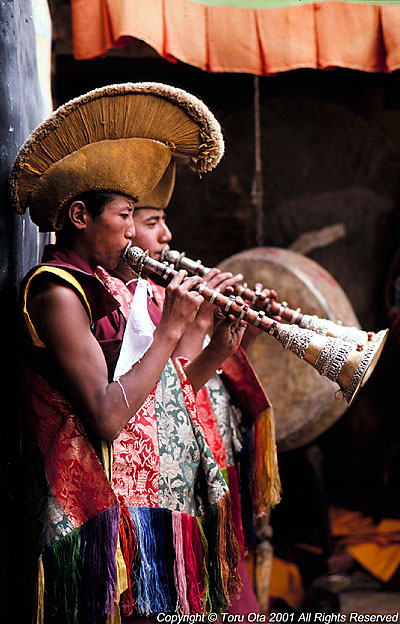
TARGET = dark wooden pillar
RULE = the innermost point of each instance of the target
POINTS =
(21, 110)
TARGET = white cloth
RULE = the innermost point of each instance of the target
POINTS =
(139, 331)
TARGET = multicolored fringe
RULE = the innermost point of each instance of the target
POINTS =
(222, 554)
(174, 561)
(258, 473)
(155, 593)
(216, 442)
(183, 563)
(79, 579)
(128, 542)
(194, 551)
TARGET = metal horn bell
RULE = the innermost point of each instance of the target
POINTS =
(347, 364)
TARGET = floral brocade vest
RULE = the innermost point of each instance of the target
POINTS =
(141, 526)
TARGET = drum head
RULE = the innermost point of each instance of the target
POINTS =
(305, 404)
(392, 295)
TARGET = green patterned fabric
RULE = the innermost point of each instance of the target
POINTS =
(183, 451)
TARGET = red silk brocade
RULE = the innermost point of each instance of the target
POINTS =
(74, 471)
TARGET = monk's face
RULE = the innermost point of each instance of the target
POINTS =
(151, 231)
(108, 234)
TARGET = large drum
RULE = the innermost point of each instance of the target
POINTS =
(305, 404)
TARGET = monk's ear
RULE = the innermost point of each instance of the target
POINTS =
(78, 214)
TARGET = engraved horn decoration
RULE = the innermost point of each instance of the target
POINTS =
(346, 363)
(273, 308)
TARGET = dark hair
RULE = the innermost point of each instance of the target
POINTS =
(95, 201)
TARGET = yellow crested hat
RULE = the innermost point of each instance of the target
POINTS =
(160, 196)
(122, 138)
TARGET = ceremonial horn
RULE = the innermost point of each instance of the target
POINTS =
(347, 364)
(275, 308)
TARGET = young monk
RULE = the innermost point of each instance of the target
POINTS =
(229, 430)
(131, 509)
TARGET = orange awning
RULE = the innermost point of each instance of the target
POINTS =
(257, 41)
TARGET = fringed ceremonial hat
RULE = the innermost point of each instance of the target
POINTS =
(160, 196)
(118, 138)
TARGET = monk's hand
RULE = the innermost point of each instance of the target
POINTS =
(181, 303)
(219, 281)
(228, 331)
